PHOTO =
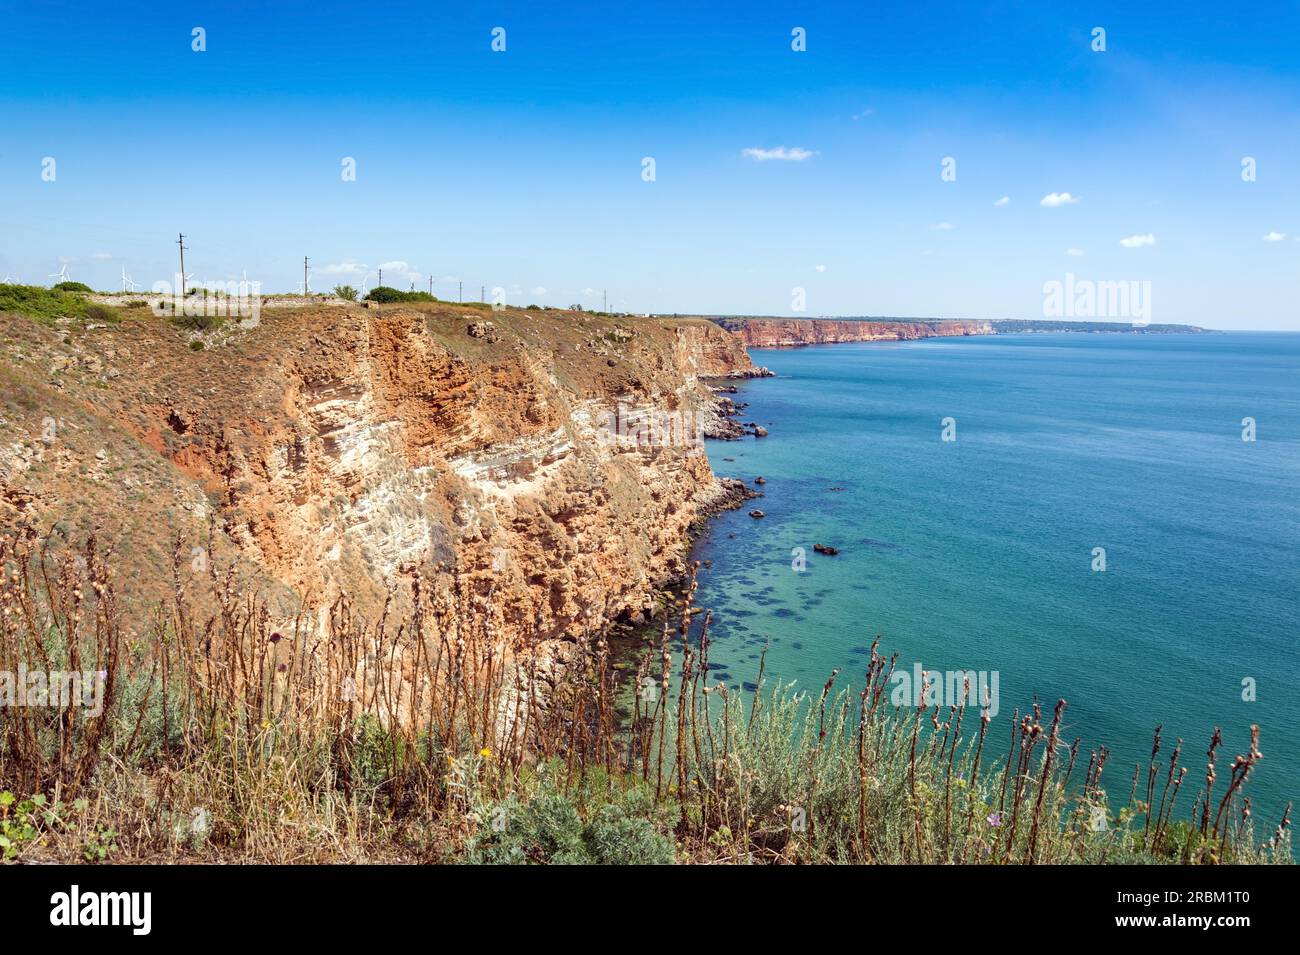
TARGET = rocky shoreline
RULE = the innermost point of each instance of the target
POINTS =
(639, 630)
(723, 426)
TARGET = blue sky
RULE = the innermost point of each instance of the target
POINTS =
(523, 169)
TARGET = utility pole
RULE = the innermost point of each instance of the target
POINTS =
(430, 286)
(482, 293)
(460, 291)
(381, 276)
(304, 276)
(180, 241)
(604, 296)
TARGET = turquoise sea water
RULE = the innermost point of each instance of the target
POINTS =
(978, 554)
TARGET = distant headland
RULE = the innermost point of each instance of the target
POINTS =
(770, 331)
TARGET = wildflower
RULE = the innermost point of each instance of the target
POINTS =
(485, 753)
(994, 819)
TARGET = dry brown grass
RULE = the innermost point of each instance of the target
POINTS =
(234, 736)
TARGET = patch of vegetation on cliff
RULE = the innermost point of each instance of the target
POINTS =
(385, 294)
(416, 740)
(48, 305)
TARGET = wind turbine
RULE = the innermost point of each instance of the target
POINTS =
(62, 275)
(127, 281)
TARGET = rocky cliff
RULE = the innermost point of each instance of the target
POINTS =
(553, 459)
(780, 332)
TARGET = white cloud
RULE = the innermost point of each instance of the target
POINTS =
(102, 256)
(1054, 200)
(1137, 241)
(538, 291)
(864, 114)
(589, 292)
(1275, 237)
(406, 270)
(820, 268)
(943, 226)
(1003, 201)
(347, 268)
(1074, 252)
(793, 154)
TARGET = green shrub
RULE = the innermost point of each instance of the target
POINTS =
(549, 829)
(73, 287)
(375, 752)
(385, 293)
(16, 828)
(622, 835)
(346, 292)
(101, 313)
(44, 305)
(197, 323)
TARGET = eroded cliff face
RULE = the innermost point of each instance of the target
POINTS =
(779, 333)
(553, 459)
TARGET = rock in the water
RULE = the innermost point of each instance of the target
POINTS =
(760, 480)
(756, 514)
